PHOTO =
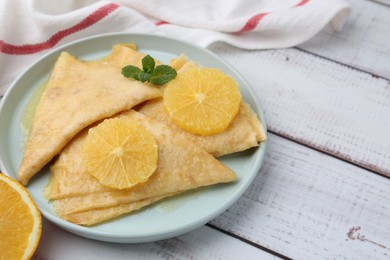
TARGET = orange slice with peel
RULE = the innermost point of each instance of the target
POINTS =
(20, 221)
(202, 100)
(120, 153)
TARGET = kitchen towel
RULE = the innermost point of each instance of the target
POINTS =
(31, 28)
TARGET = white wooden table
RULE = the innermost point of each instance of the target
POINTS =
(324, 189)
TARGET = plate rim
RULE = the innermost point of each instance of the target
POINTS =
(150, 236)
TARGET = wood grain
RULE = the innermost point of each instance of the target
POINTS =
(362, 43)
(383, 2)
(203, 243)
(307, 205)
(327, 106)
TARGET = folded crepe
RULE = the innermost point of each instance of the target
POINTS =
(77, 94)
(181, 166)
(244, 132)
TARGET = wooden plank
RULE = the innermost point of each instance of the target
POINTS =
(322, 104)
(362, 43)
(203, 243)
(383, 2)
(307, 205)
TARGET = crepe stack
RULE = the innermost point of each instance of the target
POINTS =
(186, 161)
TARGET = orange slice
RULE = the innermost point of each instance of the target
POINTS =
(202, 100)
(20, 221)
(120, 153)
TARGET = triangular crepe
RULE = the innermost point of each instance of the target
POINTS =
(181, 167)
(244, 132)
(77, 94)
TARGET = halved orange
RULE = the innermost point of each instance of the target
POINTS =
(202, 100)
(20, 221)
(120, 153)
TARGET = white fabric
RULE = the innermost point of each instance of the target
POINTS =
(31, 28)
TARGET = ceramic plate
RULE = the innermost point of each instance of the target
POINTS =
(167, 218)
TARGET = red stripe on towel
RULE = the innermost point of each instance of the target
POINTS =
(252, 22)
(91, 19)
(302, 2)
(160, 23)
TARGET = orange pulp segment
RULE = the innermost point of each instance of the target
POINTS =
(120, 153)
(202, 100)
(20, 221)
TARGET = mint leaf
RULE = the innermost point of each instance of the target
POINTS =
(144, 76)
(131, 71)
(148, 64)
(156, 75)
(162, 74)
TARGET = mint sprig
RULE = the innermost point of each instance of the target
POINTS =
(157, 75)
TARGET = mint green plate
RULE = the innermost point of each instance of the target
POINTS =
(165, 219)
